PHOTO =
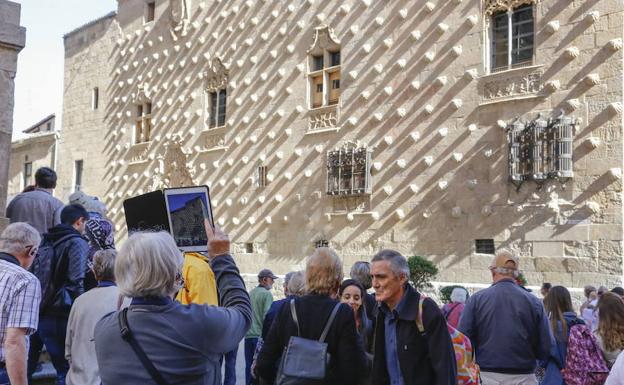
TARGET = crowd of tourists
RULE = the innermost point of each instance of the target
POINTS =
(150, 314)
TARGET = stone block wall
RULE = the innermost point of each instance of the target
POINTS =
(12, 40)
(415, 89)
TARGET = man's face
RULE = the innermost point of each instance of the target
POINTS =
(80, 225)
(387, 285)
(268, 282)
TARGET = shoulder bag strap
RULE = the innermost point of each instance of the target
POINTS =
(126, 335)
(293, 311)
(329, 322)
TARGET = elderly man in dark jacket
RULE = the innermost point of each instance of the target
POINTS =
(60, 266)
(404, 356)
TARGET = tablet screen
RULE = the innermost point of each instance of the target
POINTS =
(187, 209)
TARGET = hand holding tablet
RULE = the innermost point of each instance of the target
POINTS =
(218, 241)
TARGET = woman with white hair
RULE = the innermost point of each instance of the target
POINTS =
(158, 340)
(308, 318)
(452, 311)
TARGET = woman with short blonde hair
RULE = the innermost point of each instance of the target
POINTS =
(323, 276)
(323, 272)
(610, 332)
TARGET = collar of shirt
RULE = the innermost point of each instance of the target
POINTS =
(159, 301)
(9, 258)
(106, 284)
(41, 189)
(505, 281)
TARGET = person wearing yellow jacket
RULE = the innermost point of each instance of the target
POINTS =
(200, 286)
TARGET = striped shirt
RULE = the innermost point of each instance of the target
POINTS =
(20, 294)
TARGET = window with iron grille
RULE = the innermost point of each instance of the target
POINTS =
(348, 171)
(484, 246)
(249, 248)
(512, 38)
(143, 122)
(261, 176)
(541, 149)
(321, 243)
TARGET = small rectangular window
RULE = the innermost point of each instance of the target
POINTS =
(317, 94)
(49, 126)
(222, 103)
(334, 58)
(78, 175)
(321, 243)
(484, 246)
(334, 92)
(143, 123)
(512, 39)
(27, 174)
(317, 63)
(218, 102)
(249, 248)
(261, 176)
(150, 11)
(95, 98)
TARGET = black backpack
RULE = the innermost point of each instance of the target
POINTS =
(305, 360)
(46, 267)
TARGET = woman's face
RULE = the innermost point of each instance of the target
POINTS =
(352, 297)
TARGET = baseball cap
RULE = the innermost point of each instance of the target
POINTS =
(266, 273)
(506, 260)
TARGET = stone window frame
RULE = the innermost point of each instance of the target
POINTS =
(493, 7)
(262, 172)
(325, 46)
(142, 118)
(215, 84)
(27, 177)
(149, 13)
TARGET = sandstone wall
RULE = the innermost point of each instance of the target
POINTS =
(414, 89)
(39, 150)
(12, 40)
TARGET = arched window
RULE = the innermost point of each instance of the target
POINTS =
(324, 64)
(215, 94)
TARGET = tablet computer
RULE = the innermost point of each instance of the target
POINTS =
(146, 212)
(187, 208)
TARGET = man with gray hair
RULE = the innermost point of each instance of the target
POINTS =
(87, 310)
(402, 354)
(20, 294)
(507, 326)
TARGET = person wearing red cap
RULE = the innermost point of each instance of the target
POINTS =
(507, 326)
(261, 300)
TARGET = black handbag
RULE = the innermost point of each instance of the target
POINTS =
(126, 335)
(305, 360)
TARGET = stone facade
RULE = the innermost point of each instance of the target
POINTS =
(416, 91)
(12, 40)
(27, 155)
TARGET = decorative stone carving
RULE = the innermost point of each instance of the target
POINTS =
(492, 6)
(593, 141)
(552, 85)
(553, 26)
(324, 39)
(400, 214)
(616, 108)
(216, 76)
(510, 86)
(174, 166)
(592, 79)
(456, 212)
(323, 118)
(180, 15)
(615, 44)
(572, 53)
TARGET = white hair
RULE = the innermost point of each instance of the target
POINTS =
(17, 236)
(147, 265)
(459, 295)
(104, 264)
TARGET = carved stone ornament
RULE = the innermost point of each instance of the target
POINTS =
(323, 118)
(214, 141)
(175, 170)
(180, 15)
(510, 86)
(492, 6)
(216, 76)
(141, 95)
(324, 39)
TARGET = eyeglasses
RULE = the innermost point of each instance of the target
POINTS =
(179, 279)
(32, 250)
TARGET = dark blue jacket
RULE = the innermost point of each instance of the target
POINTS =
(274, 310)
(508, 328)
(71, 258)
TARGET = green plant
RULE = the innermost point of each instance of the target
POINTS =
(521, 280)
(445, 292)
(422, 271)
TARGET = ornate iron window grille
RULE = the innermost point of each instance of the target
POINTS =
(541, 149)
(348, 171)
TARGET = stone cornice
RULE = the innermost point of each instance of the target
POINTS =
(12, 37)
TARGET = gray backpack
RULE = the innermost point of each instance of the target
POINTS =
(305, 360)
